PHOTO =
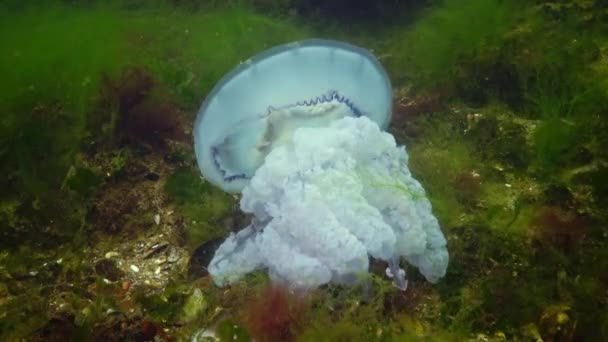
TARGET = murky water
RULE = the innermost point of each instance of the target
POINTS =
(107, 227)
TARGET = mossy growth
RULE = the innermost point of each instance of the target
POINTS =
(83, 181)
(56, 57)
(433, 47)
(500, 137)
(568, 112)
(376, 311)
(488, 76)
(22, 315)
(35, 290)
(167, 305)
(341, 331)
(201, 204)
(446, 167)
(190, 52)
(50, 86)
(585, 12)
(341, 314)
(228, 330)
(509, 282)
(556, 62)
(489, 287)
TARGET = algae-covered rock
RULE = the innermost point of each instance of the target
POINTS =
(557, 323)
(500, 137)
(227, 330)
(194, 306)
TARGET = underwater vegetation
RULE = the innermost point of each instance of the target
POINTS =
(106, 224)
(439, 40)
(275, 314)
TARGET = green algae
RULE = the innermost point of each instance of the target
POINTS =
(500, 136)
(432, 48)
(201, 204)
(491, 239)
(56, 58)
(227, 330)
(81, 180)
(189, 53)
(438, 162)
(51, 81)
(194, 306)
(186, 185)
(166, 306)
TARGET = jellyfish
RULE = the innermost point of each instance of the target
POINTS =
(298, 131)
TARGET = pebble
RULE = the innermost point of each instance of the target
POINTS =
(111, 255)
(156, 248)
(134, 268)
(173, 255)
(152, 176)
(562, 318)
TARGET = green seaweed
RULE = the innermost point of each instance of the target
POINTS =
(166, 306)
(56, 58)
(433, 47)
(498, 137)
(201, 204)
(189, 53)
(227, 330)
(437, 162)
(82, 180)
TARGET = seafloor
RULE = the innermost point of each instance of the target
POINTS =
(106, 225)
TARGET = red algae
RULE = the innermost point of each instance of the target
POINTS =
(408, 107)
(144, 113)
(559, 229)
(276, 314)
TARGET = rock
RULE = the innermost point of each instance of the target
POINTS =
(152, 176)
(204, 335)
(156, 248)
(111, 254)
(194, 306)
(173, 255)
(107, 269)
(201, 257)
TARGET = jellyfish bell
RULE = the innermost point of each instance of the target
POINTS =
(260, 104)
